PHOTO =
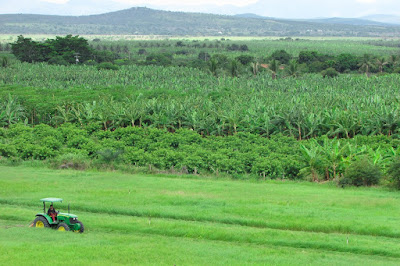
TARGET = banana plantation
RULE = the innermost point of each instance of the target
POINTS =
(173, 98)
(262, 124)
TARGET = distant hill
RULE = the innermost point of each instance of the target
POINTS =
(391, 19)
(251, 15)
(348, 21)
(145, 21)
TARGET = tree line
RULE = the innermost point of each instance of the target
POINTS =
(74, 49)
(60, 51)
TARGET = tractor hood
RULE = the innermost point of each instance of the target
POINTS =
(67, 215)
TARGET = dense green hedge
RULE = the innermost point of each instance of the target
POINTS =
(185, 149)
(189, 152)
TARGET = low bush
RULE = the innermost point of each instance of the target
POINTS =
(7, 150)
(394, 173)
(107, 66)
(361, 173)
(75, 161)
(330, 73)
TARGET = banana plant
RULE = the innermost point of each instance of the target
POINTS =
(63, 115)
(313, 160)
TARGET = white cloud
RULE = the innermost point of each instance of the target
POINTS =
(56, 1)
(367, 1)
(187, 2)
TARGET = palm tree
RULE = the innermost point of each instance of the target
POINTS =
(381, 62)
(232, 118)
(366, 63)
(11, 111)
(274, 67)
(5, 62)
(64, 115)
(133, 110)
(293, 69)
(255, 68)
(313, 160)
(104, 113)
(394, 60)
(333, 153)
(234, 68)
(213, 66)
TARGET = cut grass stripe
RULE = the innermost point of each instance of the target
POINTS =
(340, 229)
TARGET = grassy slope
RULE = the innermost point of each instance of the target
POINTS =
(156, 219)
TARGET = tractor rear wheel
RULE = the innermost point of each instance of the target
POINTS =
(40, 222)
(62, 227)
(82, 227)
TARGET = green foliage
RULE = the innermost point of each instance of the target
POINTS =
(302, 108)
(71, 160)
(245, 59)
(222, 118)
(60, 51)
(58, 60)
(5, 61)
(11, 111)
(108, 155)
(281, 56)
(307, 57)
(107, 66)
(160, 59)
(346, 62)
(204, 56)
(278, 157)
(394, 172)
(7, 150)
(183, 150)
(361, 173)
(330, 73)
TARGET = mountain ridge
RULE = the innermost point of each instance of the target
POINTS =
(146, 21)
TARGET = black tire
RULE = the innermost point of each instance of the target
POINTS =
(82, 227)
(63, 227)
(40, 222)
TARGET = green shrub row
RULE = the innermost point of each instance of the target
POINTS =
(278, 157)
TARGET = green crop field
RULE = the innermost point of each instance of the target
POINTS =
(148, 219)
(197, 150)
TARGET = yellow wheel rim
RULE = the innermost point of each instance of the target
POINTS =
(61, 228)
(39, 224)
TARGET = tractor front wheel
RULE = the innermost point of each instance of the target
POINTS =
(63, 227)
(40, 222)
(82, 227)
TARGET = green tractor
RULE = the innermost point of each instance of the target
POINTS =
(62, 221)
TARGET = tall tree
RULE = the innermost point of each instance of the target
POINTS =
(274, 67)
(26, 50)
(366, 63)
(381, 62)
(293, 69)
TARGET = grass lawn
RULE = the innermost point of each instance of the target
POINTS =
(146, 219)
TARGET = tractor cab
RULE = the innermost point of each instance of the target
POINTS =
(45, 212)
(62, 221)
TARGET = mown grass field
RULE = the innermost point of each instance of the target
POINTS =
(146, 219)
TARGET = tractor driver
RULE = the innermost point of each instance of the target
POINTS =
(52, 212)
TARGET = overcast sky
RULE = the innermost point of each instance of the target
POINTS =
(272, 8)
